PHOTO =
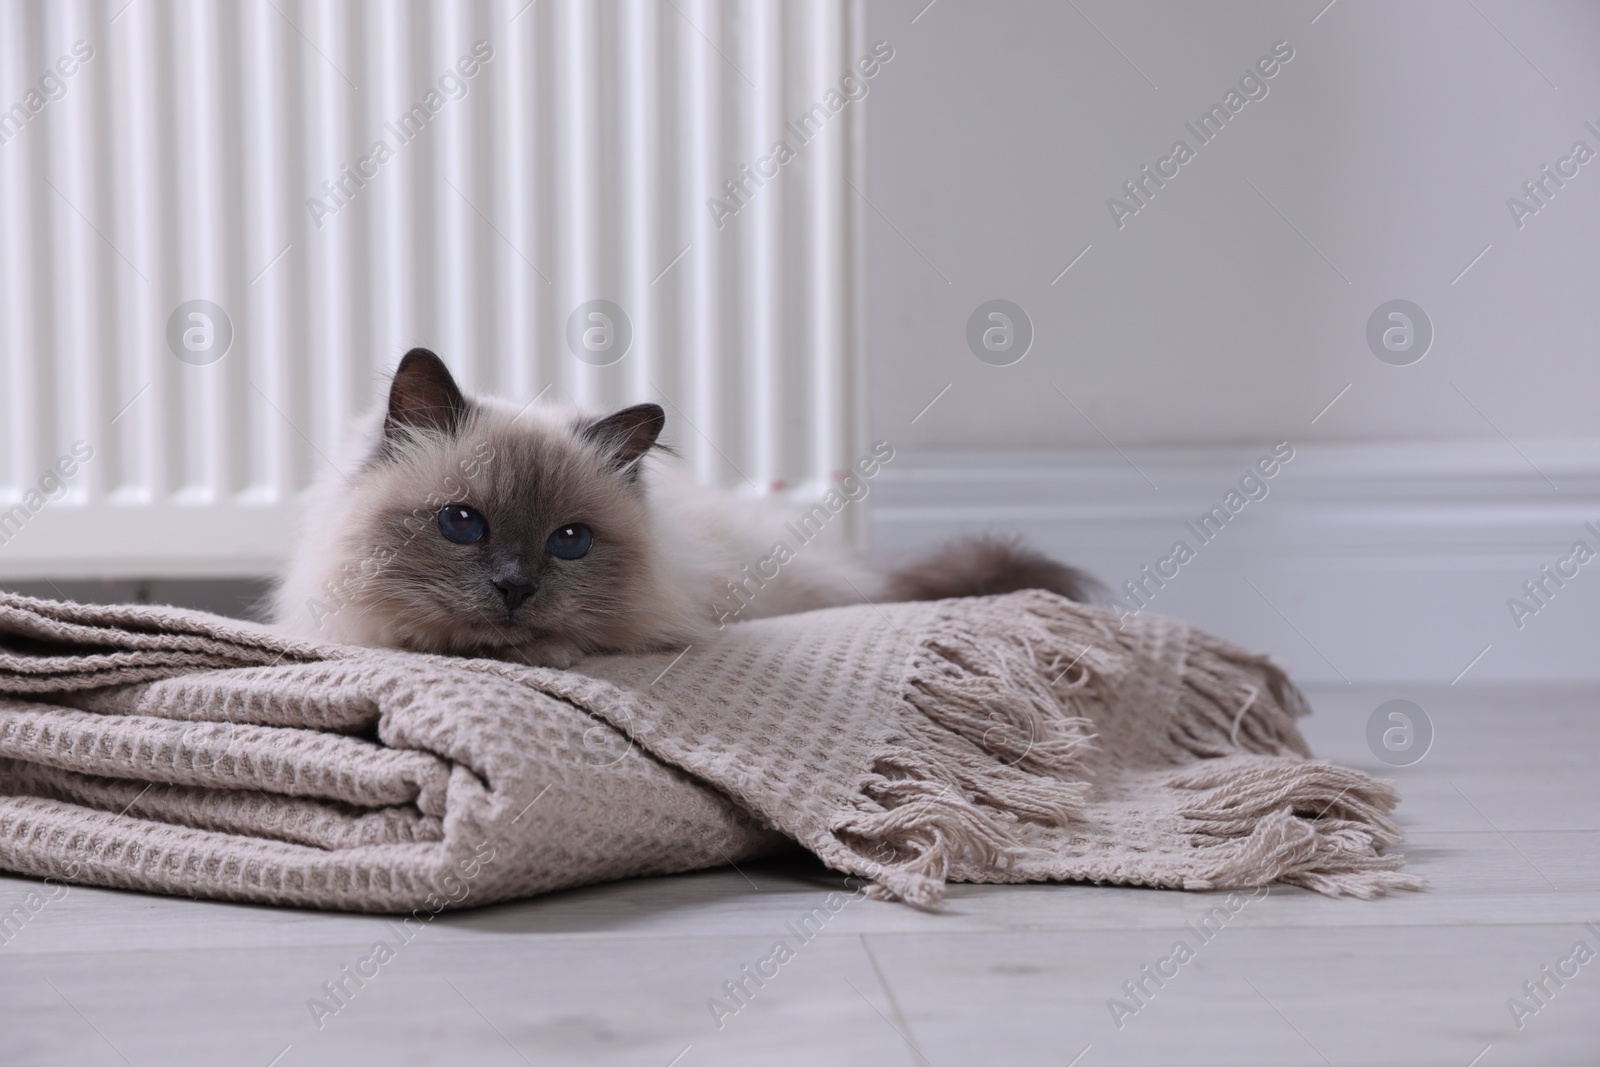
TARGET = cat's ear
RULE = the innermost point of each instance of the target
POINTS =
(423, 397)
(625, 436)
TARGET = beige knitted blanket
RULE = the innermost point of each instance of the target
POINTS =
(1004, 739)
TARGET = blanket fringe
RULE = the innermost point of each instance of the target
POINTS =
(997, 719)
(1313, 824)
(991, 741)
(1236, 699)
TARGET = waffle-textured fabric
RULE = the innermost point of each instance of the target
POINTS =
(999, 739)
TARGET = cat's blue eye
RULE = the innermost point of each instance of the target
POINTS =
(570, 542)
(462, 524)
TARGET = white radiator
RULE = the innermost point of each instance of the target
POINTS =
(175, 172)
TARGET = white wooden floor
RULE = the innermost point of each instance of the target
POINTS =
(1503, 816)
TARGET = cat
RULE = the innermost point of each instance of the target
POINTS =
(471, 527)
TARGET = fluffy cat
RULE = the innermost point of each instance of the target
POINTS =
(470, 527)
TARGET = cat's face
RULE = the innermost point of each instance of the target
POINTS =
(485, 532)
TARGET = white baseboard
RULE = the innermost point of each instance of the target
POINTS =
(1368, 563)
(75, 539)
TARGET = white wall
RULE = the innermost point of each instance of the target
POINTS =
(1391, 141)
(1214, 323)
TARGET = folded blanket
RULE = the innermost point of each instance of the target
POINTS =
(1002, 739)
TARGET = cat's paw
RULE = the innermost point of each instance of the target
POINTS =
(558, 652)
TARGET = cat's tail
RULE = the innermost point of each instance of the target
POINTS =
(987, 566)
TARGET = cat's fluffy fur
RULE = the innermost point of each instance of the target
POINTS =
(371, 566)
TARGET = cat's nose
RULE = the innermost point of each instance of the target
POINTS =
(514, 592)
